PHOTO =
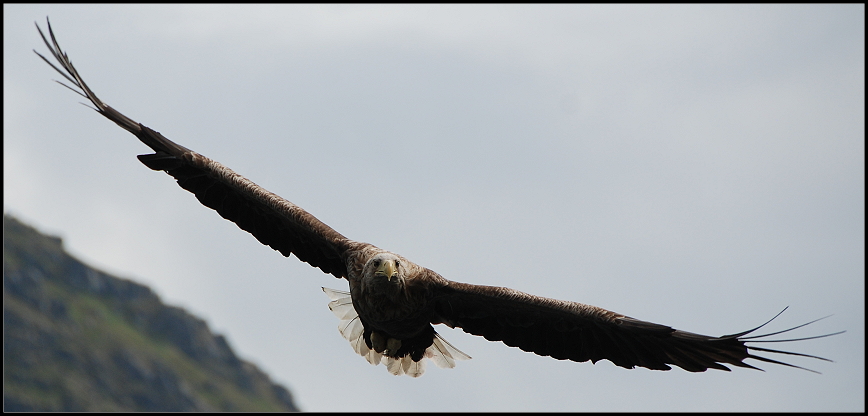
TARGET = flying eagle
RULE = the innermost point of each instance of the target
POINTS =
(392, 304)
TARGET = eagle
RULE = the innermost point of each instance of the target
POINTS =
(392, 304)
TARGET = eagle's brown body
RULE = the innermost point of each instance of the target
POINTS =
(398, 308)
(393, 303)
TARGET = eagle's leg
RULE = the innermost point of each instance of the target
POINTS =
(392, 346)
(384, 345)
(378, 342)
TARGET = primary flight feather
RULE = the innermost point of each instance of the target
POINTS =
(393, 303)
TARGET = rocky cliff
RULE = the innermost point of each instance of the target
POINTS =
(77, 339)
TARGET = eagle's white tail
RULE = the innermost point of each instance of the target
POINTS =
(441, 352)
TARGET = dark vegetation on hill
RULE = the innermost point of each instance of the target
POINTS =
(77, 339)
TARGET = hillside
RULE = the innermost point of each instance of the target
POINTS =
(77, 339)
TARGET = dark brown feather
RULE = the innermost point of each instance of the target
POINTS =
(579, 332)
(273, 220)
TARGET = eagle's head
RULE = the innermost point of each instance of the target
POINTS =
(385, 270)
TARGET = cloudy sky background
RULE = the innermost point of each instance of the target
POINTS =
(696, 166)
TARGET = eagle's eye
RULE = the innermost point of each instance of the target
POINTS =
(376, 263)
(397, 263)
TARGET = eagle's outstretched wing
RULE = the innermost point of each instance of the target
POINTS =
(578, 332)
(273, 220)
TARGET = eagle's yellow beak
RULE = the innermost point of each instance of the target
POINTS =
(387, 268)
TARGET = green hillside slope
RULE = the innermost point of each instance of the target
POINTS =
(77, 339)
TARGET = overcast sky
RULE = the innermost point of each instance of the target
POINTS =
(695, 166)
